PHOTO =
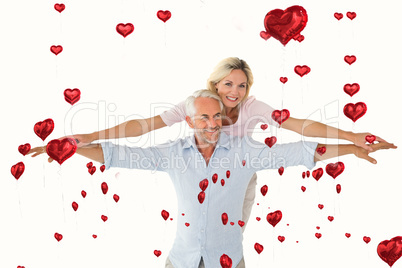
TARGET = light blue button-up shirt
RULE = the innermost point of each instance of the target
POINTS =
(201, 231)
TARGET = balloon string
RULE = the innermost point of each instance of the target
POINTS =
(44, 168)
(62, 192)
(19, 199)
(61, 23)
(273, 246)
(165, 33)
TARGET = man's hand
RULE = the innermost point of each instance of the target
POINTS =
(38, 151)
(364, 154)
(359, 139)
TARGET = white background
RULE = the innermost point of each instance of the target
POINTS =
(158, 65)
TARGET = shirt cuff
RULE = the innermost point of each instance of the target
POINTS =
(107, 153)
(308, 153)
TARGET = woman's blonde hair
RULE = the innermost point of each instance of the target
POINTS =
(224, 68)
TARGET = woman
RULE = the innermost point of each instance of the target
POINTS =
(231, 79)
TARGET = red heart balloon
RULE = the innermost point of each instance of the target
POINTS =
(338, 188)
(19, 266)
(303, 174)
(320, 206)
(355, 111)
(264, 190)
(330, 218)
(280, 116)
(72, 96)
(17, 170)
(366, 239)
(61, 150)
(241, 223)
(258, 218)
(264, 35)
(43, 128)
(338, 16)
(56, 49)
(125, 29)
(280, 170)
(215, 178)
(164, 15)
(157, 253)
(116, 198)
(224, 218)
(390, 250)
(318, 235)
(270, 141)
(243, 162)
(227, 174)
(75, 206)
(226, 261)
(351, 89)
(59, 7)
(347, 235)
(335, 169)
(90, 164)
(283, 25)
(258, 247)
(204, 184)
(302, 70)
(201, 197)
(102, 168)
(308, 173)
(24, 149)
(165, 214)
(58, 236)
(303, 189)
(283, 79)
(187, 224)
(274, 218)
(104, 187)
(317, 174)
(321, 150)
(351, 15)
(83, 193)
(264, 126)
(281, 238)
(92, 170)
(94, 236)
(370, 138)
(104, 218)
(350, 59)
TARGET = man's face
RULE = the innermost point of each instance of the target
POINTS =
(207, 121)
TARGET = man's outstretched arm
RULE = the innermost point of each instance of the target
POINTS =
(333, 150)
(91, 151)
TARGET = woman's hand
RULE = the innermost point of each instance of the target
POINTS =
(359, 139)
(364, 154)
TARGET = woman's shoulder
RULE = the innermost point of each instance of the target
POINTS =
(253, 105)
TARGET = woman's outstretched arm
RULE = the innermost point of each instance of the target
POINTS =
(132, 128)
(310, 128)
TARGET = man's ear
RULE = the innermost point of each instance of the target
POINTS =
(189, 121)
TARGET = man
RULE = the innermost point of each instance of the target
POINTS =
(210, 172)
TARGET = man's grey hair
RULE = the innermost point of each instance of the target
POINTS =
(203, 93)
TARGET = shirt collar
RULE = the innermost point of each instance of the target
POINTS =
(223, 141)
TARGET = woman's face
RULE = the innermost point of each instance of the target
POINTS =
(232, 88)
